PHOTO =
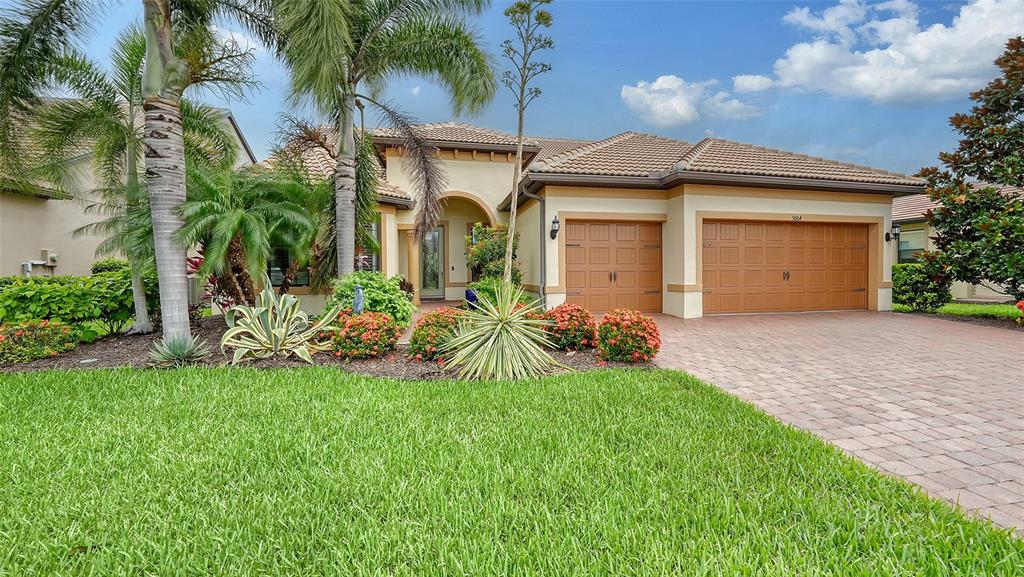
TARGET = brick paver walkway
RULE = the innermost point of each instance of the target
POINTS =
(938, 402)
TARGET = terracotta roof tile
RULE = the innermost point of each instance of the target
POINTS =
(456, 132)
(320, 164)
(626, 154)
(728, 157)
(553, 146)
(911, 208)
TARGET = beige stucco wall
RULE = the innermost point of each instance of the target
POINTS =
(488, 180)
(528, 255)
(28, 226)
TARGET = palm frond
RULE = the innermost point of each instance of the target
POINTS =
(368, 174)
(209, 138)
(215, 63)
(127, 60)
(426, 174)
(315, 45)
(442, 48)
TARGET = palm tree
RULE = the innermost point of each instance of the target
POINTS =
(34, 36)
(342, 52)
(106, 121)
(237, 217)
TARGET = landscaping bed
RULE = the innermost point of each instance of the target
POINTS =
(133, 351)
(1002, 316)
(317, 472)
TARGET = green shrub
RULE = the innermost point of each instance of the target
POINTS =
(485, 252)
(380, 295)
(104, 297)
(109, 265)
(432, 332)
(487, 288)
(36, 339)
(628, 336)
(571, 327)
(364, 336)
(912, 286)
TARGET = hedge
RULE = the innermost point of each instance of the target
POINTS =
(912, 286)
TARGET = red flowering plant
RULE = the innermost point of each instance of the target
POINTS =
(364, 336)
(1020, 307)
(628, 336)
(35, 339)
(432, 331)
(571, 327)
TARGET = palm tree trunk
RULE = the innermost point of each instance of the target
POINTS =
(163, 81)
(142, 324)
(345, 190)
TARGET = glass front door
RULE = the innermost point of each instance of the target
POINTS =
(432, 264)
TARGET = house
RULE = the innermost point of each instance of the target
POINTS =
(911, 214)
(37, 232)
(652, 223)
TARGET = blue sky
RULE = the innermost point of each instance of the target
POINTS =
(854, 80)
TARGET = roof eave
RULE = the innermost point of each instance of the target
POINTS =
(395, 202)
(529, 150)
(534, 181)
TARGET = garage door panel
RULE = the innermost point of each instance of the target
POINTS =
(784, 266)
(614, 264)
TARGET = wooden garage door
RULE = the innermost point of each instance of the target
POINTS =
(610, 265)
(783, 266)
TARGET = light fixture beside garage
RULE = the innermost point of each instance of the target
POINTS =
(554, 227)
(894, 234)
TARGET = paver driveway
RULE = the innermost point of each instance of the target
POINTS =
(938, 402)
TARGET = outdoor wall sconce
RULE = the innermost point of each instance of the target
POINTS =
(894, 234)
(554, 228)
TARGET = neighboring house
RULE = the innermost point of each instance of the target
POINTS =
(911, 213)
(37, 231)
(652, 223)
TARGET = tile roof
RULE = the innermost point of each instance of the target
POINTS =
(553, 146)
(626, 154)
(728, 157)
(456, 132)
(320, 164)
(912, 208)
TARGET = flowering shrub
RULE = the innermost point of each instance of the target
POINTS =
(35, 339)
(629, 336)
(364, 336)
(432, 331)
(571, 327)
(1020, 307)
(380, 294)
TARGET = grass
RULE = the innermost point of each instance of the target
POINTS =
(317, 472)
(995, 311)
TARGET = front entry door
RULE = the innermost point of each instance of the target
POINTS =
(432, 264)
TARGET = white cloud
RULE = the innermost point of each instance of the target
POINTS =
(751, 83)
(671, 101)
(881, 52)
(415, 90)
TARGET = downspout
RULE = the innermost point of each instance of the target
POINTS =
(543, 246)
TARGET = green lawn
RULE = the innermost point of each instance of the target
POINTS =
(317, 472)
(998, 311)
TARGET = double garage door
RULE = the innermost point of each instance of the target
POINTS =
(746, 266)
(750, 267)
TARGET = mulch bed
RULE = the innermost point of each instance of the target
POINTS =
(133, 351)
(998, 323)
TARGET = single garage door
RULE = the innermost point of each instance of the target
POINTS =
(751, 267)
(611, 264)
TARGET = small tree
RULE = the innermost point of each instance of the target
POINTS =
(527, 18)
(980, 223)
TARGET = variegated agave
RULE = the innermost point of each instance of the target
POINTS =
(275, 326)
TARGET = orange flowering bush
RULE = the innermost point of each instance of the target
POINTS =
(36, 339)
(571, 327)
(433, 331)
(364, 336)
(628, 336)
(1020, 307)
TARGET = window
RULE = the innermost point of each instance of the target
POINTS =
(369, 260)
(280, 262)
(912, 242)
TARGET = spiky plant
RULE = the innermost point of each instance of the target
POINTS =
(501, 339)
(179, 351)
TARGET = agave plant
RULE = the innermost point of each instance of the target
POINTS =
(179, 351)
(501, 339)
(275, 326)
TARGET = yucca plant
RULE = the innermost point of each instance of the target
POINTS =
(275, 326)
(179, 351)
(501, 339)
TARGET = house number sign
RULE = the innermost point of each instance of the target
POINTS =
(797, 217)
